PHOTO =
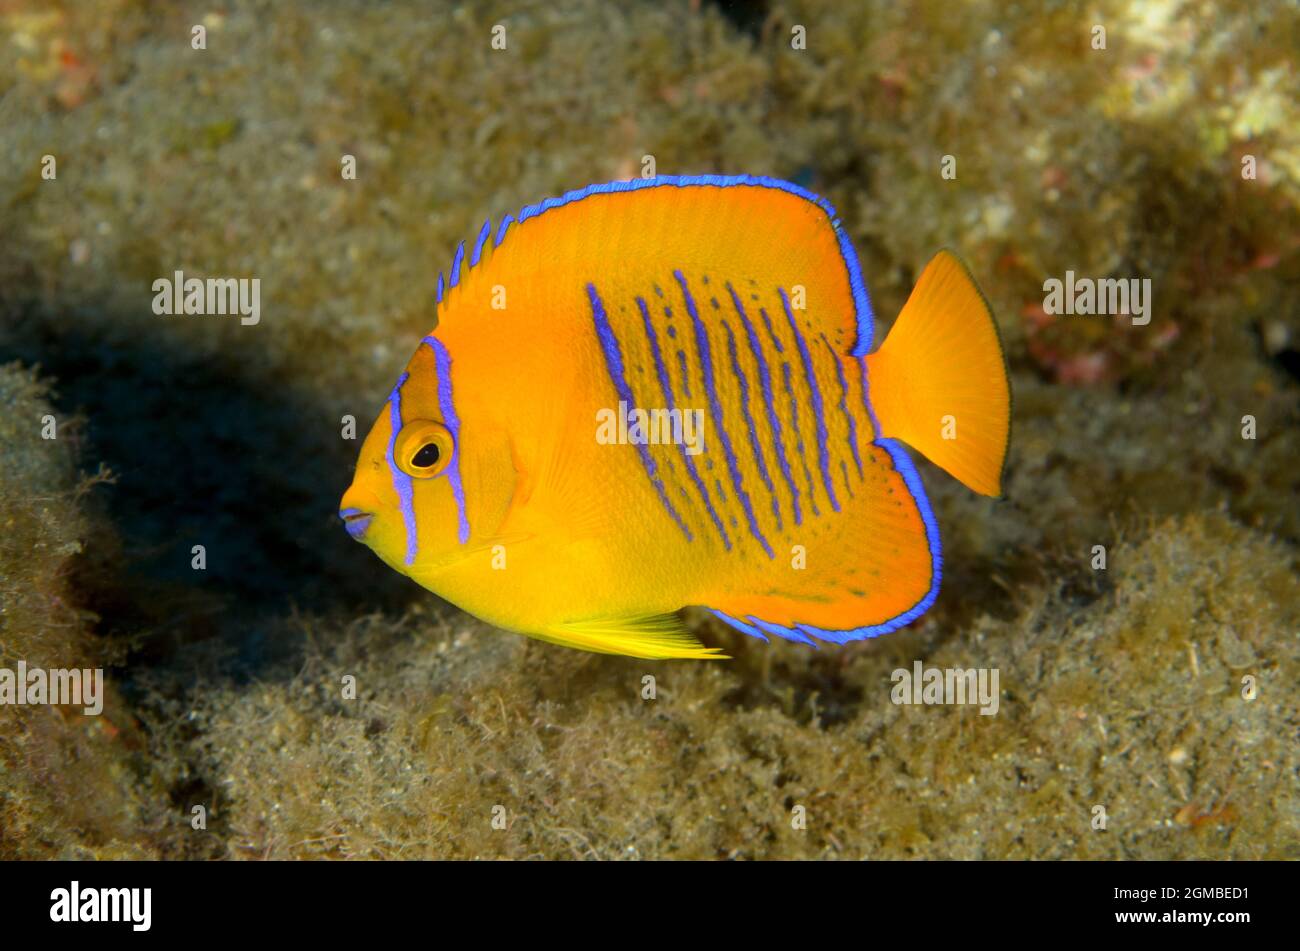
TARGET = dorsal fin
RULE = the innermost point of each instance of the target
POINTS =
(506, 222)
(456, 263)
(747, 226)
(478, 245)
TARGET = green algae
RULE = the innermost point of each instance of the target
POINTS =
(1121, 688)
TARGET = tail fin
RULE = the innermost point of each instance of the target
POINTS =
(939, 381)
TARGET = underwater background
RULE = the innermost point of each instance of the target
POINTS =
(1172, 154)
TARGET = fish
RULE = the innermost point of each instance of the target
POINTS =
(533, 464)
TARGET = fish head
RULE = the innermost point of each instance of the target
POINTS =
(407, 500)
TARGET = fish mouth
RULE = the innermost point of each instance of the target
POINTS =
(356, 521)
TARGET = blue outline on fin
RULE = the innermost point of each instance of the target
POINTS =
(738, 624)
(866, 401)
(442, 287)
(785, 633)
(456, 263)
(478, 244)
(912, 480)
(506, 222)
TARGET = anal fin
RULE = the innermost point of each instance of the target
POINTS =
(880, 565)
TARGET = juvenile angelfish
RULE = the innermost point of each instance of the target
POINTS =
(662, 392)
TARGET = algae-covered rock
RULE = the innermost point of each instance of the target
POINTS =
(71, 785)
(1136, 702)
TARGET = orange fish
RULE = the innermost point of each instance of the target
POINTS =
(658, 393)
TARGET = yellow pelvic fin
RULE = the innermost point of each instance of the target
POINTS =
(939, 381)
(654, 637)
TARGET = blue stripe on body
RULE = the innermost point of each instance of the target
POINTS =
(402, 481)
(665, 385)
(447, 407)
(686, 376)
(614, 364)
(771, 331)
(844, 403)
(823, 452)
(715, 408)
(749, 423)
(773, 420)
(798, 437)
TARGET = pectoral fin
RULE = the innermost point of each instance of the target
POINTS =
(654, 637)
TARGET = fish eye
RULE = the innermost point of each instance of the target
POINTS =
(426, 457)
(423, 448)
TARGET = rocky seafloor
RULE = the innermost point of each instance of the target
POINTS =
(1162, 688)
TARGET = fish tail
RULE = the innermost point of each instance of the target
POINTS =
(939, 381)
